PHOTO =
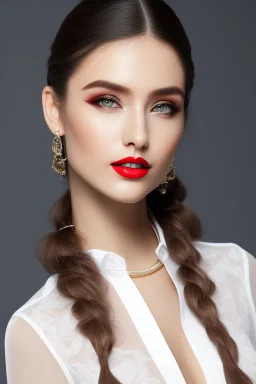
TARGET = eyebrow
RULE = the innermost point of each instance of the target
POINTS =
(172, 90)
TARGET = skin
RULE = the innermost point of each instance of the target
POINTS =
(109, 209)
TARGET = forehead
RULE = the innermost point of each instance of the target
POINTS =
(141, 63)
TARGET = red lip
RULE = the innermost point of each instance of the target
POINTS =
(130, 173)
(131, 159)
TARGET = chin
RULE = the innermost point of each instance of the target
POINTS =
(130, 195)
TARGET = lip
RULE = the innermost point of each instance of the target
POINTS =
(131, 159)
(130, 173)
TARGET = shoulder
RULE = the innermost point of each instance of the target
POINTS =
(214, 251)
(19, 334)
(207, 245)
(46, 297)
(225, 262)
(28, 358)
(30, 336)
(44, 307)
(20, 325)
(229, 264)
(38, 297)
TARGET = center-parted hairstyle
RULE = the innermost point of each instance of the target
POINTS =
(90, 24)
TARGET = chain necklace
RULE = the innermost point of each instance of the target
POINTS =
(147, 271)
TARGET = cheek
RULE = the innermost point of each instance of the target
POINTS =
(88, 135)
(167, 139)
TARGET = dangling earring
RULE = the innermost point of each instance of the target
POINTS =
(58, 163)
(164, 184)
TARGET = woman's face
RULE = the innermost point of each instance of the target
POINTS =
(133, 123)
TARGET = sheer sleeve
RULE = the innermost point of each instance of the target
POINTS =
(28, 359)
(252, 276)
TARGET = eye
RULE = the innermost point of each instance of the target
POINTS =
(172, 106)
(110, 99)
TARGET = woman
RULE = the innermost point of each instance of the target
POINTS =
(134, 296)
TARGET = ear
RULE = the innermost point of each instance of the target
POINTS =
(51, 111)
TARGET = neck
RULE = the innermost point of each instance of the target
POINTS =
(122, 228)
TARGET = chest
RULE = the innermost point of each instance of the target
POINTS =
(161, 297)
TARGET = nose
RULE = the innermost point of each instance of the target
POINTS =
(136, 131)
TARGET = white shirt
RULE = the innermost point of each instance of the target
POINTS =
(42, 344)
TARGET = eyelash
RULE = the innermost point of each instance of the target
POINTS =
(175, 108)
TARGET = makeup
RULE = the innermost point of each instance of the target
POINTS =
(126, 167)
(130, 173)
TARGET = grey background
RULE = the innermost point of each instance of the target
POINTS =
(215, 160)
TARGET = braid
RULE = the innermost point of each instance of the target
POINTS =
(80, 279)
(181, 226)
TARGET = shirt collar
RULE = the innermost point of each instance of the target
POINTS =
(110, 261)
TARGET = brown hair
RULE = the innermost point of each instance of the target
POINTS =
(61, 252)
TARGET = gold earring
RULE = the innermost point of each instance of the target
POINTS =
(164, 184)
(58, 163)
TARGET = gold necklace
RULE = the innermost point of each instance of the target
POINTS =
(147, 271)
